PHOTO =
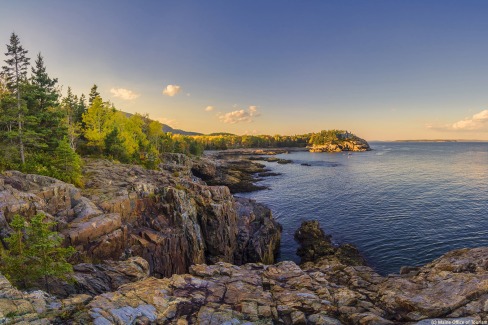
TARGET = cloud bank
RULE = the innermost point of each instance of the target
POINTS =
(240, 115)
(477, 122)
(124, 94)
(209, 108)
(171, 90)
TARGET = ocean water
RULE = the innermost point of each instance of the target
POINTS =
(400, 204)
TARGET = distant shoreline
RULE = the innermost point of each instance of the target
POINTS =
(426, 140)
(434, 140)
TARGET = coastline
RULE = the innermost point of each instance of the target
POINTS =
(331, 286)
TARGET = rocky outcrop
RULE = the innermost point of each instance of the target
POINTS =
(239, 175)
(314, 244)
(259, 234)
(36, 307)
(94, 279)
(452, 288)
(455, 285)
(352, 144)
(169, 217)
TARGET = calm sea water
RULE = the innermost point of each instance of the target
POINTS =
(400, 204)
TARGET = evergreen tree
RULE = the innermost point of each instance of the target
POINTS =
(93, 94)
(114, 147)
(66, 164)
(48, 259)
(34, 252)
(69, 106)
(97, 123)
(8, 113)
(14, 261)
(15, 74)
(46, 95)
(44, 108)
(80, 109)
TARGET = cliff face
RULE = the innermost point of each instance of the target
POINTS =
(168, 217)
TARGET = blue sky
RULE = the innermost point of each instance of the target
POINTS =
(384, 69)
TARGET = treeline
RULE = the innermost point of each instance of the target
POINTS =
(45, 133)
(330, 136)
(231, 141)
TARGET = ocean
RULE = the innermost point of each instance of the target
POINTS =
(401, 204)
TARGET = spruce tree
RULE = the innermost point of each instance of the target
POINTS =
(66, 164)
(15, 75)
(93, 94)
(69, 105)
(8, 136)
(34, 253)
(14, 261)
(47, 258)
(43, 105)
(45, 93)
(80, 109)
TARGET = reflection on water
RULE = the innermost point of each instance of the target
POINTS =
(401, 204)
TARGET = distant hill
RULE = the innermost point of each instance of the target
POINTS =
(167, 128)
(222, 133)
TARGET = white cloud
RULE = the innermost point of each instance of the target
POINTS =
(209, 108)
(171, 90)
(477, 122)
(239, 115)
(124, 94)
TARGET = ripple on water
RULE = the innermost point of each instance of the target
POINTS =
(401, 204)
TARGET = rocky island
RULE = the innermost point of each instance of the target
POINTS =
(163, 247)
(337, 141)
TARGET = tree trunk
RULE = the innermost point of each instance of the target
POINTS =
(21, 142)
(46, 283)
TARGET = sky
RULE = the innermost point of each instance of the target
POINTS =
(383, 69)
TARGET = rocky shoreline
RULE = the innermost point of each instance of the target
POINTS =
(174, 246)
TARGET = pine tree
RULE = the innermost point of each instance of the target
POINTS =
(69, 105)
(8, 113)
(80, 109)
(15, 74)
(66, 164)
(14, 261)
(34, 252)
(93, 94)
(43, 105)
(48, 259)
(46, 94)
(114, 147)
